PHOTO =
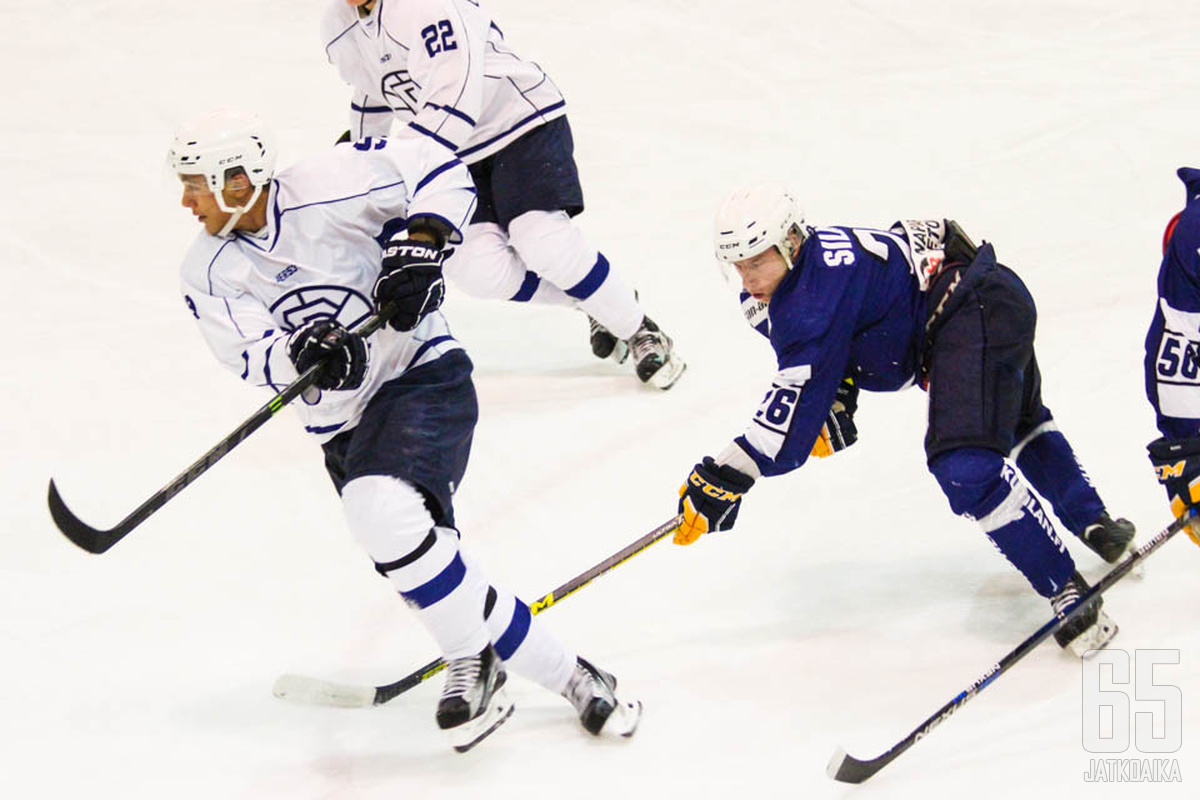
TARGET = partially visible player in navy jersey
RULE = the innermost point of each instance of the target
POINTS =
(1172, 362)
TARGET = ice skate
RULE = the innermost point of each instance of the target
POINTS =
(473, 702)
(1108, 538)
(604, 344)
(593, 693)
(654, 356)
(1091, 629)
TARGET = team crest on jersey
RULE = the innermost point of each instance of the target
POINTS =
(400, 91)
(300, 305)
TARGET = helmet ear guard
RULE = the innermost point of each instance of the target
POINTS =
(752, 220)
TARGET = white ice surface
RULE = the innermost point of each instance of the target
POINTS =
(848, 605)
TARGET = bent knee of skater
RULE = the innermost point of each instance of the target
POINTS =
(973, 479)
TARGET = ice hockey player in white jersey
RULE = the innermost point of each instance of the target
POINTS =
(441, 70)
(286, 267)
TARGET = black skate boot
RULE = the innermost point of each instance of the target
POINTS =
(604, 344)
(593, 693)
(1091, 629)
(473, 702)
(1108, 538)
(654, 356)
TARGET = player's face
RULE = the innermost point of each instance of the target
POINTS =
(762, 274)
(360, 2)
(203, 203)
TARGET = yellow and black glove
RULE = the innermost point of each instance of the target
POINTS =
(1177, 462)
(709, 499)
(839, 431)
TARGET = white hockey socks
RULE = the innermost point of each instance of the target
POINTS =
(423, 562)
(485, 266)
(556, 250)
(525, 645)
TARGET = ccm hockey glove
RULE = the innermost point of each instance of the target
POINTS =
(1177, 462)
(410, 279)
(839, 431)
(709, 499)
(341, 353)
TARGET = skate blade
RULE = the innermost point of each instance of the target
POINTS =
(668, 373)
(1095, 638)
(624, 719)
(472, 732)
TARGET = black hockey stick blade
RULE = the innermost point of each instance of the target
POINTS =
(79, 532)
(848, 769)
(98, 541)
(316, 691)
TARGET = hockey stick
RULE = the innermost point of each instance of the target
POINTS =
(848, 769)
(303, 689)
(98, 541)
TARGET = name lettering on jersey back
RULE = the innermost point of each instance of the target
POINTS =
(837, 247)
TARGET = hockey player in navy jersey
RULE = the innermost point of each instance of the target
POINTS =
(1172, 362)
(286, 266)
(889, 308)
(442, 70)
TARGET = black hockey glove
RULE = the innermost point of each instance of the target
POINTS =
(709, 499)
(341, 353)
(1177, 462)
(839, 431)
(411, 281)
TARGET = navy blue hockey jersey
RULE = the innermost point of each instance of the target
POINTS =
(1172, 363)
(851, 306)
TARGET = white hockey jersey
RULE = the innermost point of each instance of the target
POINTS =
(442, 67)
(328, 217)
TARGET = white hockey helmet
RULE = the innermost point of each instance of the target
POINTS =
(755, 219)
(220, 141)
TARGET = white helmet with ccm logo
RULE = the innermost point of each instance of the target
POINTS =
(218, 144)
(754, 219)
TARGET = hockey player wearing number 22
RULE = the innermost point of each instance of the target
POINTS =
(441, 70)
(286, 267)
(917, 303)
(1173, 357)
